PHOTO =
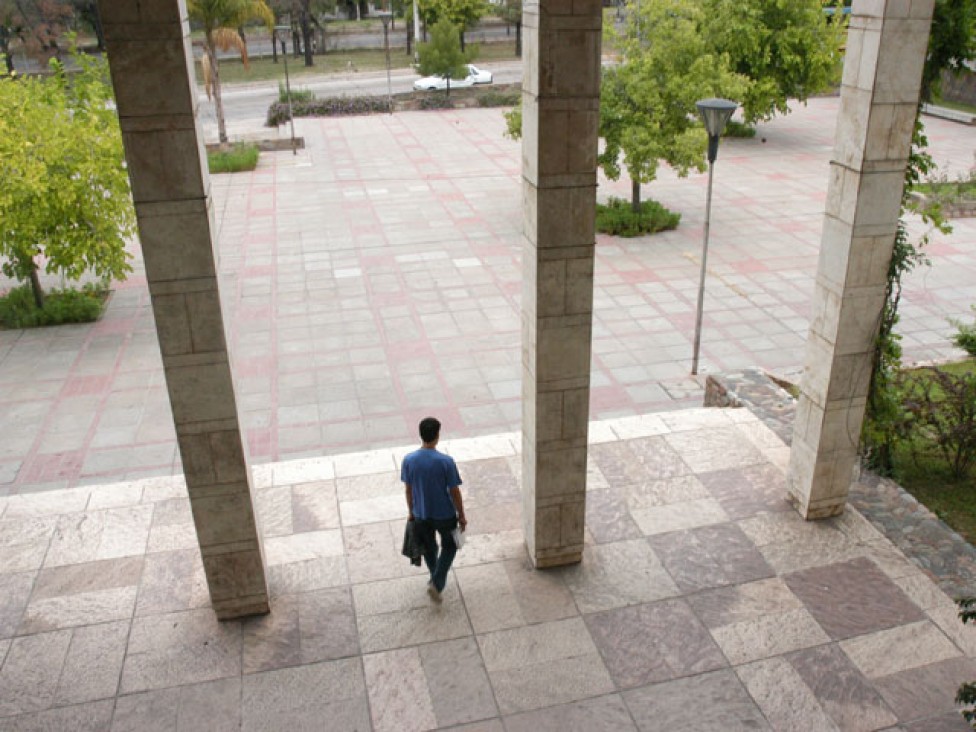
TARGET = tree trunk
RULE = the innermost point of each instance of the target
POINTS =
(518, 38)
(635, 202)
(462, 41)
(307, 40)
(35, 282)
(211, 51)
(409, 37)
(274, 47)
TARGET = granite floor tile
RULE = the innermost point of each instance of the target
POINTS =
(327, 625)
(950, 722)
(655, 642)
(398, 691)
(373, 552)
(487, 725)
(303, 547)
(789, 527)
(658, 458)
(25, 556)
(519, 647)
(711, 556)
(604, 713)
(843, 692)
(93, 664)
(712, 701)
(299, 699)
(273, 509)
(898, 649)
(619, 574)
(745, 492)
(768, 635)
(172, 581)
(150, 711)
(608, 517)
(947, 618)
(785, 700)
(719, 448)
(15, 590)
(489, 598)
(679, 516)
(314, 507)
(214, 706)
(434, 622)
(549, 683)
(30, 673)
(493, 517)
(498, 546)
(541, 596)
(91, 576)
(272, 641)
(926, 691)
(852, 598)
(312, 574)
(82, 608)
(90, 717)
(618, 463)
(106, 534)
(651, 492)
(458, 683)
(180, 648)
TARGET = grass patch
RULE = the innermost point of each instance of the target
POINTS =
(18, 310)
(617, 218)
(241, 157)
(958, 106)
(296, 95)
(264, 69)
(734, 128)
(922, 471)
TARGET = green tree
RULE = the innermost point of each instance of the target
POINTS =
(462, 13)
(442, 55)
(647, 101)
(67, 202)
(787, 48)
(951, 44)
(220, 20)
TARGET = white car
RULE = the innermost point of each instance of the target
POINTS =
(475, 76)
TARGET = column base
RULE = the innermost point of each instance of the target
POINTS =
(826, 509)
(557, 560)
(242, 607)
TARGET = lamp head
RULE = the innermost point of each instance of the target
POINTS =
(715, 113)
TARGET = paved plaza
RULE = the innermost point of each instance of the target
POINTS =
(704, 602)
(375, 278)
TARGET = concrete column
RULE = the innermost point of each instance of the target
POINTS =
(148, 45)
(886, 48)
(560, 115)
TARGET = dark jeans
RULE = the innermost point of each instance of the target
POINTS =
(438, 564)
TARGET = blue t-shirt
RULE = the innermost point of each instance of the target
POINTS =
(430, 474)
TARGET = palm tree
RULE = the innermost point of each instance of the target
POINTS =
(220, 20)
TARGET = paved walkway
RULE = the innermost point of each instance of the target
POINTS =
(703, 603)
(375, 278)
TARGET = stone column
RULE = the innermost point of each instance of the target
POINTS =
(560, 114)
(886, 47)
(148, 46)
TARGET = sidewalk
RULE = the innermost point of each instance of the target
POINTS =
(374, 278)
(703, 602)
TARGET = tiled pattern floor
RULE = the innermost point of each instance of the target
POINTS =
(703, 603)
(375, 278)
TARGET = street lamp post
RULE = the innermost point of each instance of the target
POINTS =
(715, 114)
(387, 17)
(284, 55)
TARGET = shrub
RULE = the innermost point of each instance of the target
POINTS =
(966, 696)
(617, 218)
(734, 128)
(297, 95)
(241, 157)
(965, 336)
(941, 408)
(499, 99)
(327, 107)
(436, 101)
(18, 309)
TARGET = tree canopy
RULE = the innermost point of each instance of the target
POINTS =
(220, 20)
(789, 49)
(647, 101)
(66, 205)
(442, 55)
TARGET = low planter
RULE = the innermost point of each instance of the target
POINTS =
(960, 208)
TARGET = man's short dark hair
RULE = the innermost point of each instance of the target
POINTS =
(430, 429)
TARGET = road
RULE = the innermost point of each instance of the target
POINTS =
(246, 105)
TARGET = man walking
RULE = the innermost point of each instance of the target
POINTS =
(434, 501)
